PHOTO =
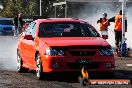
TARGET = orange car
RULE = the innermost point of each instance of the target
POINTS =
(63, 45)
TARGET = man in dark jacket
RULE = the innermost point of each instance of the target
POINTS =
(15, 21)
(118, 28)
(18, 23)
(104, 23)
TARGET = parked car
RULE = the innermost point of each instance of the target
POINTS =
(6, 25)
(63, 45)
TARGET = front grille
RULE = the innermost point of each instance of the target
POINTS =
(77, 47)
(6, 29)
(82, 53)
(79, 50)
(1, 29)
(76, 65)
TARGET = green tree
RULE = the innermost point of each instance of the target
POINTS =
(28, 8)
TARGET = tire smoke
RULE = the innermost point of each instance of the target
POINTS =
(91, 12)
(8, 53)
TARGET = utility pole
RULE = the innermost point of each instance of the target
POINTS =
(123, 19)
(65, 10)
(123, 44)
(40, 7)
(55, 11)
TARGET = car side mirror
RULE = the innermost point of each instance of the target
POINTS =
(105, 37)
(28, 37)
(25, 26)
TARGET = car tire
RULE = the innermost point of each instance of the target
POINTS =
(108, 75)
(39, 71)
(111, 75)
(20, 68)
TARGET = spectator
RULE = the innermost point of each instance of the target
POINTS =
(118, 28)
(18, 23)
(104, 23)
(15, 22)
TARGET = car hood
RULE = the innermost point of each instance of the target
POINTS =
(71, 41)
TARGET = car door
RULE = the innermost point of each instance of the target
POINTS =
(25, 46)
(30, 44)
(21, 46)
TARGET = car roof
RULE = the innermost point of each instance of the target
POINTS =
(60, 20)
(27, 19)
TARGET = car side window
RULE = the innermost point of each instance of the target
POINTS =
(33, 30)
(29, 29)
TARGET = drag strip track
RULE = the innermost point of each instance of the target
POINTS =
(9, 78)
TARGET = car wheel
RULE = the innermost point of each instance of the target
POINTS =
(39, 72)
(20, 68)
(108, 75)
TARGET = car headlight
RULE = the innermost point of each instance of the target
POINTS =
(54, 52)
(106, 52)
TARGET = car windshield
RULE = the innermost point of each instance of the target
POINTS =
(6, 22)
(27, 20)
(67, 29)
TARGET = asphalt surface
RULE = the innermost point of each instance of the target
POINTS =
(9, 78)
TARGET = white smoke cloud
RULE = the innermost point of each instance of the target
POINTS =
(8, 52)
(129, 33)
(93, 11)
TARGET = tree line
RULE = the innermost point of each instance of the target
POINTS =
(27, 8)
(30, 8)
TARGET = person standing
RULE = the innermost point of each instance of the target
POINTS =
(104, 23)
(18, 23)
(118, 28)
(15, 22)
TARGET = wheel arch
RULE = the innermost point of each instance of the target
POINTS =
(17, 50)
(36, 53)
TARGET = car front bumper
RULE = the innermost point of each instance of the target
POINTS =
(66, 64)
